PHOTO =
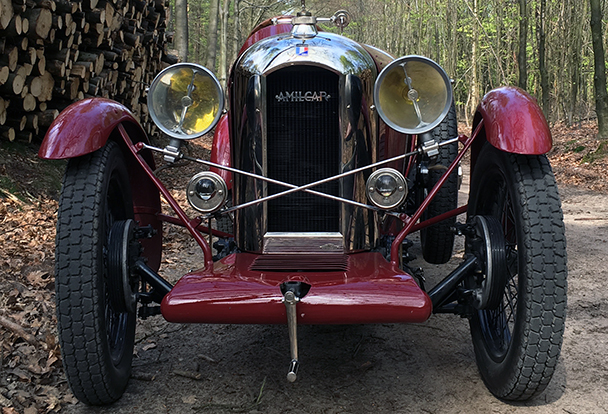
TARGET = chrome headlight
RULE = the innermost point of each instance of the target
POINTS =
(386, 188)
(185, 100)
(413, 94)
(207, 192)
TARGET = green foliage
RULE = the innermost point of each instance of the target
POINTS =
(599, 154)
(446, 30)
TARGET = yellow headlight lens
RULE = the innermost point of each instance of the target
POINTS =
(413, 94)
(185, 101)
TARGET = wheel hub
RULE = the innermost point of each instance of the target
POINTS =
(123, 251)
(487, 242)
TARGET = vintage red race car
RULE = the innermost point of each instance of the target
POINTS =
(328, 155)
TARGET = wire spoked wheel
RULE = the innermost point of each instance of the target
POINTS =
(517, 342)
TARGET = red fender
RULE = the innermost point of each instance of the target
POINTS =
(512, 122)
(86, 126)
(220, 150)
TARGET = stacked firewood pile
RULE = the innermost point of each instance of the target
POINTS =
(55, 52)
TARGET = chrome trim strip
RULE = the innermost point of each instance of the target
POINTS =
(310, 242)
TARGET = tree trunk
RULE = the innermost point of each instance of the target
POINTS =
(237, 29)
(599, 80)
(224, 44)
(542, 65)
(522, 55)
(575, 65)
(474, 56)
(181, 29)
(214, 7)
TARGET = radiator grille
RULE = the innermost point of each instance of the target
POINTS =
(300, 263)
(303, 145)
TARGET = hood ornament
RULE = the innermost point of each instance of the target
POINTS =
(305, 24)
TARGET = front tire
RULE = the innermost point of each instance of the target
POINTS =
(517, 344)
(96, 341)
(437, 241)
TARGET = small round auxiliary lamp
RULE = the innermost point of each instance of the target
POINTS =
(185, 101)
(207, 192)
(386, 188)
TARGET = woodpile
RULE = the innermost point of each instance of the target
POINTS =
(55, 52)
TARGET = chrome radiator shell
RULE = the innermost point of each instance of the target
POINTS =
(357, 129)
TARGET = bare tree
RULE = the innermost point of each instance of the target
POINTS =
(181, 29)
(522, 55)
(214, 7)
(542, 62)
(222, 71)
(599, 80)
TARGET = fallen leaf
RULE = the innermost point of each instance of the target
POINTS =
(191, 399)
(37, 278)
(21, 374)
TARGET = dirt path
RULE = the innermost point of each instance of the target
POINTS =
(425, 368)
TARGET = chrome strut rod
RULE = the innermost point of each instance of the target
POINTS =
(268, 180)
(290, 301)
(294, 188)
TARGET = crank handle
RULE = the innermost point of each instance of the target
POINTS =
(292, 375)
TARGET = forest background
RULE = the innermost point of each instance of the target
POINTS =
(543, 46)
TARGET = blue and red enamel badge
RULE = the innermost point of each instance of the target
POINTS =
(301, 50)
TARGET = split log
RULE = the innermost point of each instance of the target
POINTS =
(27, 103)
(40, 21)
(7, 132)
(6, 13)
(16, 122)
(56, 68)
(10, 58)
(14, 84)
(46, 117)
(48, 82)
(24, 136)
(28, 56)
(15, 27)
(3, 114)
(53, 52)
(31, 122)
(4, 74)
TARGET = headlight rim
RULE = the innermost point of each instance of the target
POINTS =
(195, 67)
(387, 69)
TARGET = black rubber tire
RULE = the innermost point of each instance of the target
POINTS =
(96, 342)
(437, 241)
(518, 344)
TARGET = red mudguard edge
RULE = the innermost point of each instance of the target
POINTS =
(86, 126)
(220, 150)
(512, 122)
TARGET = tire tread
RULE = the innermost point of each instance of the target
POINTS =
(76, 288)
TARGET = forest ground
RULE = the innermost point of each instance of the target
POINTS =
(421, 368)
